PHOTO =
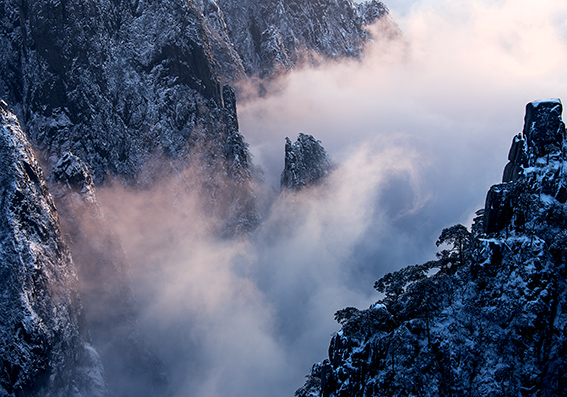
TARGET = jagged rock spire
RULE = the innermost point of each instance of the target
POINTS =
(535, 165)
(306, 162)
(544, 130)
(543, 134)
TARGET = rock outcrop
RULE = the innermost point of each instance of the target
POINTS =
(272, 36)
(44, 344)
(535, 167)
(306, 163)
(543, 134)
(486, 317)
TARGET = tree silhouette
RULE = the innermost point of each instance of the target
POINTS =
(459, 239)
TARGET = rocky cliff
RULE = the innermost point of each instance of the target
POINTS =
(125, 84)
(272, 36)
(486, 317)
(119, 83)
(115, 83)
(44, 345)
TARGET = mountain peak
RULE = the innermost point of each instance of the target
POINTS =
(543, 129)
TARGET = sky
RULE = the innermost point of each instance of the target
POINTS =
(418, 130)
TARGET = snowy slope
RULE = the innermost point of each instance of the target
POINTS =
(112, 82)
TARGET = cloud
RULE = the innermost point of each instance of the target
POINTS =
(247, 316)
(452, 89)
(419, 130)
(465, 64)
(446, 98)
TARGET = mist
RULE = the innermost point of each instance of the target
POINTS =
(451, 92)
(418, 130)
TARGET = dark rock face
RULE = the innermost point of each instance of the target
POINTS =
(543, 134)
(272, 36)
(125, 86)
(306, 163)
(43, 339)
(543, 129)
(490, 320)
(121, 83)
(227, 60)
(113, 83)
(74, 174)
(518, 160)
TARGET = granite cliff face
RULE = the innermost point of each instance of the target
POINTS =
(487, 316)
(272, 36)
(43, 338)
(121, 83)
(115, 83)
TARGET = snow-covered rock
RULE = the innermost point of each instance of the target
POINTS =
(125, 86)
(272, 36)
(306, 163)
(491, 320)
(121, 83)
(44, 344)
(115, 83)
